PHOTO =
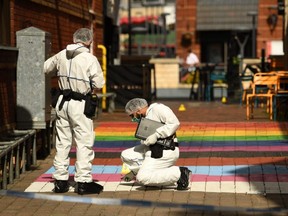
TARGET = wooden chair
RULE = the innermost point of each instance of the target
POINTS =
(281, 92)
(260, 80)
(282, 86)
(247, 79)
(246, 82)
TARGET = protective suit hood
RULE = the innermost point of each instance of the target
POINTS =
(73, 50)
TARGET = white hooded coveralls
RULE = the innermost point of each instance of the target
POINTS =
(155, 171)
(82, 68)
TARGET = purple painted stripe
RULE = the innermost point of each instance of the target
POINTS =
(206, 149)
(235, 148)
(195, 178)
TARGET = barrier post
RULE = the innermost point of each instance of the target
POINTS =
(104, 68)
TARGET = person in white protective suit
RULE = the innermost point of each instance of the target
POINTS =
(153, 164)
(79, 77)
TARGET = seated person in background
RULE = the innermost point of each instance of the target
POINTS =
(189, 65)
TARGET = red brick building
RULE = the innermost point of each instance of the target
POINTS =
(213, 26)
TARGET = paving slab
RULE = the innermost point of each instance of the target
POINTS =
(236, 163)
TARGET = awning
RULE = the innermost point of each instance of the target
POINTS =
(142, 28)
(225, 14)
(141, 25)
(139, 19)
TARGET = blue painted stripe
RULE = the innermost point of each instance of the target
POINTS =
(226, 170)
(215, 170)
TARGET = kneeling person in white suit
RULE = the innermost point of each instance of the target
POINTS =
(151, 163)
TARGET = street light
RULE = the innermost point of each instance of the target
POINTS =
(129, 29)
(253, 14)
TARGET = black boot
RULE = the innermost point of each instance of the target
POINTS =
(61, 186)
(183, 182)
(88, 188)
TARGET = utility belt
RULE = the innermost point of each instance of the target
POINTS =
(68, 94)
(167, 142)
(91, 100)
(161, 145)
(175, 144)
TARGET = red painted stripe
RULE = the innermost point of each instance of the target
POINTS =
(204, 161)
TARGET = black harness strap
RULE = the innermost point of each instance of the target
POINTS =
(68, 94)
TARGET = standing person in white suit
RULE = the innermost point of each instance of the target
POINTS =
(79, 77)
(153, 164)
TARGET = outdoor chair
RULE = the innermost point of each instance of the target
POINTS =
(217, 80)
(281, 96)
(246, 88)
(267, 82)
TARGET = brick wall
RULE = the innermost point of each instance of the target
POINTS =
(8, 60)
(186, 23)
(263, 32)
(98, 28)
(59, 19)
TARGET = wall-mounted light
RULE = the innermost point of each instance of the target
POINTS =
(272, 21)
(186, 39)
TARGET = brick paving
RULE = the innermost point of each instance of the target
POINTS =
(196, 112)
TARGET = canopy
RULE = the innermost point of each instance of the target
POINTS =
(139, 19)
(142, 25)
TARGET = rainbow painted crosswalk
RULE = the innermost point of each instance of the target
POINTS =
(233, 157)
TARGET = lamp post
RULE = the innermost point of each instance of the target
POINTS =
(253, 14)
(129, 29)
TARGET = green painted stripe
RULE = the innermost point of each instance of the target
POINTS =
(115, 138)
(201, 138)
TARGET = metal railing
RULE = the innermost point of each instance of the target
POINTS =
(17, 154)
